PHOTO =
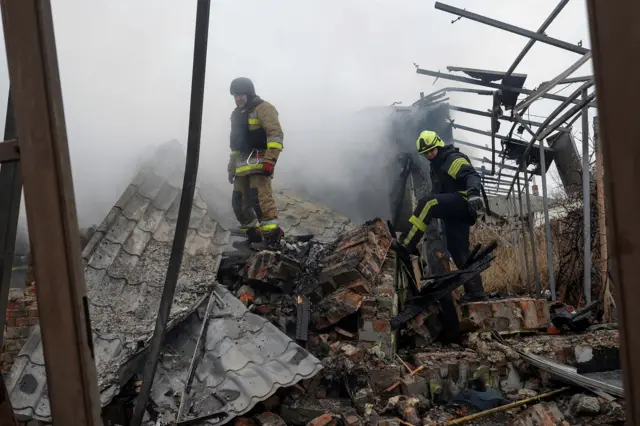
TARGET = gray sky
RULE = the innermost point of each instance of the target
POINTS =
(126, 73)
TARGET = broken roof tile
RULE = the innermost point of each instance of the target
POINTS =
(246, 359)
(125, 267)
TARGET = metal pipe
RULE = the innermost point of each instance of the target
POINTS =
(547, 222)
(468, 80)
(186, 203)
(545, 130)
(531, 42)
(572, 80)
(586, 188)
(567, 115)
(512, 208)
(550, 85)
(511, 28)
(473, 145)
(478, 131)
(534, 253)
(488, 115)
(524, 236)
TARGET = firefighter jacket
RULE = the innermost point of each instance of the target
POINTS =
(256, 137)
(451, 171)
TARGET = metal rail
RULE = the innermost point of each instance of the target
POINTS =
(467, 80)
(545, 209)
(553, 83)
(186, 203)
(503, 117)
(554, 14)
(546, 128)
(511, 28)
(586, 190)
(51, 212)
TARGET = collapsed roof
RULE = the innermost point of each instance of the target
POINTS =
(125, 267)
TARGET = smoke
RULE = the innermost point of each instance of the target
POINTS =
(126, 72)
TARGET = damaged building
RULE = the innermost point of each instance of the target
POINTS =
(237, 351)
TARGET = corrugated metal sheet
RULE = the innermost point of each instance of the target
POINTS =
(125, 266)
(245, 359)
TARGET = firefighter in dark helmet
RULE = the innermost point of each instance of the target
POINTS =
(456, 198)
(256, 142)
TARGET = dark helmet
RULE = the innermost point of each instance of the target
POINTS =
(242, 86)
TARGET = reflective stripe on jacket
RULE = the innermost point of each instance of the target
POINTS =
(264, 140)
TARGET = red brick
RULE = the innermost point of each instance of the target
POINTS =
(33, 312)
(354, 420)
(335, 307)
(10, 322)
(360, 286)
(512, 314)
(243, 421)
(543, 414)
(16, 313)
(17, 332)
(22, 321)
(13, 345)
(269, 419)
(382, 326)
(323, 420)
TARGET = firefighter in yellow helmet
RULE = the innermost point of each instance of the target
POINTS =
(456, 196)
(256, 142)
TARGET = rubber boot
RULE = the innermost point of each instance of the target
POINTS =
(254, 235)
(272, 238)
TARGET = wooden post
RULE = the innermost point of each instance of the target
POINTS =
(72, 382)
(6, 412)
(602, 226)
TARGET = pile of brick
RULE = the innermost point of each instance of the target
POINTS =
(352, 285)
(21, 316)
(374, 375)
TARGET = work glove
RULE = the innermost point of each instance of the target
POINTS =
(476, 203)
(268, 168)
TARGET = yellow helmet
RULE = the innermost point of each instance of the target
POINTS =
(427, 141)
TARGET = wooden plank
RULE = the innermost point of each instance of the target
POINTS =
(614, 36)
(51, 212)
(9, 151)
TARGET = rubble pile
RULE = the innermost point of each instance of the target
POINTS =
(372, 374)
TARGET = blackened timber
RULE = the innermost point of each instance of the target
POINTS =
(186, 204)
(51, 213)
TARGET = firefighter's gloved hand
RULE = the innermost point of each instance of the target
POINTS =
(268, 168)
(232, 176)
(476, 203)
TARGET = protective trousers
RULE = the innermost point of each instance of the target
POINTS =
(253, 202)
(454, 211)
